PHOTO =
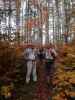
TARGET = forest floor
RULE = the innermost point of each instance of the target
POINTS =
(61, 88)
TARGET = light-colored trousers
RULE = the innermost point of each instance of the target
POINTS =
(31, 69)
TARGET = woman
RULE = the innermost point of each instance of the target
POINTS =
(31, 65)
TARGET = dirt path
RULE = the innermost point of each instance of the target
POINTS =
(42, 89)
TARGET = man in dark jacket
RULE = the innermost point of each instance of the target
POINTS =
(50, 60)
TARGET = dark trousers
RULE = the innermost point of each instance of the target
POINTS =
(49, 66)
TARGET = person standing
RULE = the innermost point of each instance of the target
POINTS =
(50, 56)
(31, 65)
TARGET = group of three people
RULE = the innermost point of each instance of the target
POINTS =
(34, 54)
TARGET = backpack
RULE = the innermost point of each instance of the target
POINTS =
(53, 55)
